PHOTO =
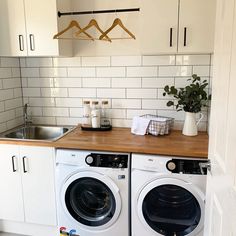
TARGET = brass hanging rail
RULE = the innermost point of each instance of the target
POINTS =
(97, 12)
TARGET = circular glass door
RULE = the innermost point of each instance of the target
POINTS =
(92, 201)
(170, 209)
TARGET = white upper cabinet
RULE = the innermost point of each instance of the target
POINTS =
(27, 28)
(12, 28)
(196, 26)
(159, 31)
(177, 26)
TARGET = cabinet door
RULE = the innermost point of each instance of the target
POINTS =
(159, 26)
(11, 198)
(12, 28)
(41, 25)
(196, 26)
(38, 185)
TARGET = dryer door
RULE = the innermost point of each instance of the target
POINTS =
(171, 207)
(91, 199)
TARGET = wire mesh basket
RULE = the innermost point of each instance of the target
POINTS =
(159, 125)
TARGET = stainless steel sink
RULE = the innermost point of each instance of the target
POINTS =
(43, 133)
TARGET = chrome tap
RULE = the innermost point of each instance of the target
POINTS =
(27, 120)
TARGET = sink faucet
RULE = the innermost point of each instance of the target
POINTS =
(27, 120)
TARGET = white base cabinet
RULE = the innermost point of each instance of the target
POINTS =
(27, 28)
(27, 184)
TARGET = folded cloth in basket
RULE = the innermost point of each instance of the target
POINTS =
(140, 125)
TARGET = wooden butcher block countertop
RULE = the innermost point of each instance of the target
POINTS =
(121, 140)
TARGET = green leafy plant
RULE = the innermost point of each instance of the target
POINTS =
(191, 98)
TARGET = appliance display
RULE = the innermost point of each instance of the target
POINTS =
(168, 196)
(92, 193)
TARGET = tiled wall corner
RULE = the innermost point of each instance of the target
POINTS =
(11, 112)
(56, 87)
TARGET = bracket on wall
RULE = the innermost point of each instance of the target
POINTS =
(97, 12)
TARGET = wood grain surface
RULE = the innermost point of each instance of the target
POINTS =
(121, 140)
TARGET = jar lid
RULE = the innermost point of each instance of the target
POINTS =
(105, 102)
(87, 102)
(95, 102)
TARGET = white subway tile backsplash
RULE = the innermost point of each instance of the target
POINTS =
(30, 72)
(132, 113)
(142, 71)
(157, 82)
(15, 122)
(157, 104)
(68, 82)
(56, 87)
(41, 102)
(31, 92)
(76, 112)
(44, 120)
(193, 60)
(142, 93)
(7, 115)
(55, 111)
(11, 83)
(16, 72)
(68, 121)
(5, 73)
(111, 72)
(126, 61)
(96, 61)
(13, 103)
(10, 62)
(158, 60)
(118, 114)
(82, 92)
(68, 102)
(126, 83)
(96, 82)
(67, 62)
(39, 62)
(39, 83)
(127, 103)
(170, 71)
(54, 92)
(82, 72)
(6, 94)
(111, 93)
(201, 70)
(53, 72)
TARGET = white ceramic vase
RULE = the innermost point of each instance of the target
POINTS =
(191, 124)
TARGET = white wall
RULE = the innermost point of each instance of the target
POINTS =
(56, 87)
(10, 94)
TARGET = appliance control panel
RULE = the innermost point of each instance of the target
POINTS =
(107, 160)
(181, 166)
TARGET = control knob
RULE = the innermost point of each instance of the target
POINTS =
(89, 160)
(171, 166)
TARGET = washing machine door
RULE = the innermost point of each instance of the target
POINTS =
(171, 207)
(91, 199)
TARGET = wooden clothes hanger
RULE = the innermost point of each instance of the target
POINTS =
(72, 24)
(117, 22)
(93, 23)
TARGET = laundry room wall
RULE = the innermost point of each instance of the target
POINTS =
(55, 88)
(11, 112)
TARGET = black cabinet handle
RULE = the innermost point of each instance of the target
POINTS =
(171, 37)
(32, 45)
(24, 166)
(13, 164)
(185, 36)
(21, 43)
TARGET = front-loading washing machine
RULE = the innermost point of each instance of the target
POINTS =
(92, 193)
(168, 196)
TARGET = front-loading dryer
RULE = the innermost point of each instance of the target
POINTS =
(168, 196)
(92, 193)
